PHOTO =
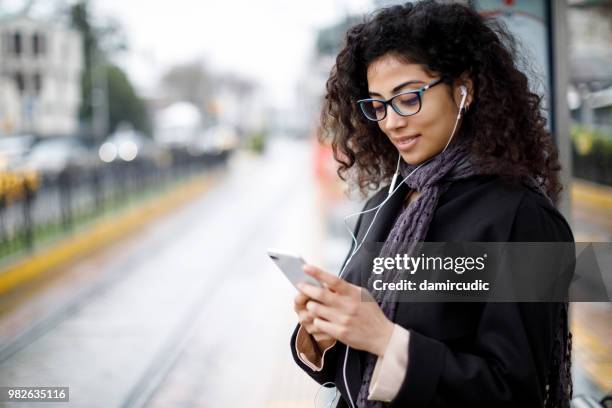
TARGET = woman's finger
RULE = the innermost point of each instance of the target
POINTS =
(319, 294)
(316, 309)
(311, 329)
(305, 317)
(299, 302)
(334, 330)
(333, 282)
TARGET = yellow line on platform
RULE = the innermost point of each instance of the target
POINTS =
(99, 234)
(594, 195)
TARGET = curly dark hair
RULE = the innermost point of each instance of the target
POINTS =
(505, 126)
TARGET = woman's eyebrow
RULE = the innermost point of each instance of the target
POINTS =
(400, 86)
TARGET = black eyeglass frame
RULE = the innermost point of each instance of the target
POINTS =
(418, 92)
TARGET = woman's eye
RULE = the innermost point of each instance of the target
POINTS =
(378, 107)
(409, 100)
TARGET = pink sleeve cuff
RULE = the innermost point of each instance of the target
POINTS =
(390, 368)
(308, 350)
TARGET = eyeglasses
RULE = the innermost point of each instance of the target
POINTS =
(405, 104)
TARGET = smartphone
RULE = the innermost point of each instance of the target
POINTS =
(291, 266)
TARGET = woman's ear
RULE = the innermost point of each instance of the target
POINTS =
(466, 81)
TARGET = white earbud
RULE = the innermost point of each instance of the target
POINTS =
(463, 90)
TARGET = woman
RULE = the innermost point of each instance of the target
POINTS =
(438, 85)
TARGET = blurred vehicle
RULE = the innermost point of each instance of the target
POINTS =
(180, 128)
(214, 141)
(51, 157)
(129, 145)
(15, 186)
(178, 125)
(14, 150)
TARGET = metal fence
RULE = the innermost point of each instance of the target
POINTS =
(35, 209)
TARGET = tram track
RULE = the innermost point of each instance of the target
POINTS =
(176, 344)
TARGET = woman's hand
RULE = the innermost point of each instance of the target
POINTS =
(340, 312)
(305, 317)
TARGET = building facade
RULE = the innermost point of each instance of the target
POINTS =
(41, 64)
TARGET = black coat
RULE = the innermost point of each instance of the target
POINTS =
(465, 354)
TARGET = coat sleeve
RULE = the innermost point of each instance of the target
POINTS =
(309, 350)
(506, 363)
(327, 373)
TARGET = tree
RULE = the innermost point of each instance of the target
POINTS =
(99, 44)
(125, 105)
(80, 19)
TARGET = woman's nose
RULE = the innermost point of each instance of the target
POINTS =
(394, 120)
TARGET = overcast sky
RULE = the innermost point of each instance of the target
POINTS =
(266, 40)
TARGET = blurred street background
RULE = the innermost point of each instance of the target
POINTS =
(150, 153)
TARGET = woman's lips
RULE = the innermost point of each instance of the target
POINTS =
(406, 143)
